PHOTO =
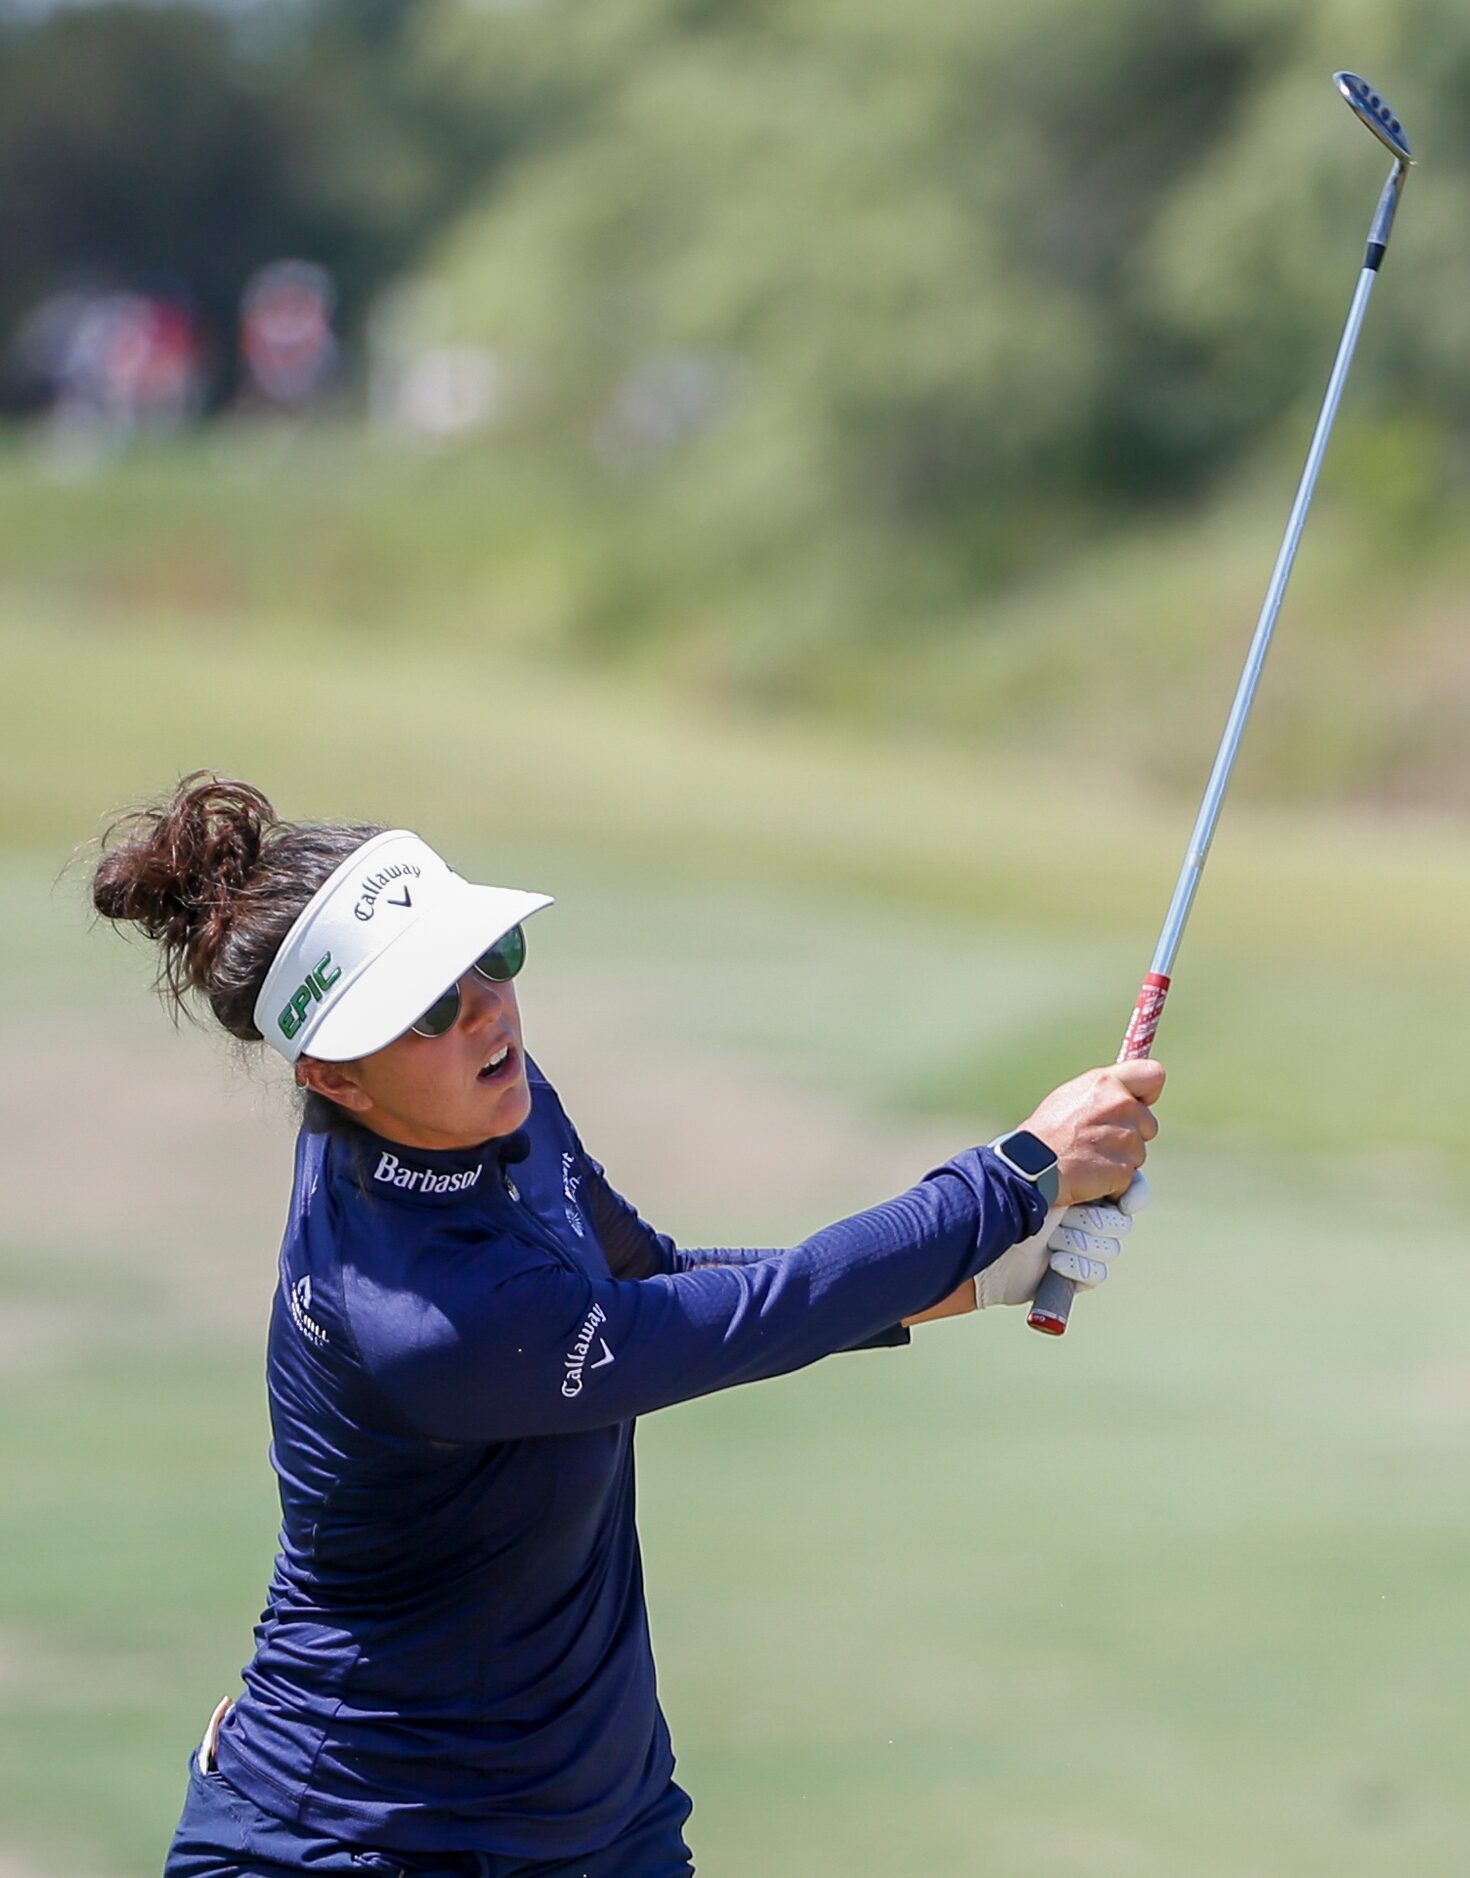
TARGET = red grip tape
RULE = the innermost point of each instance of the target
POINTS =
(1138, 1039)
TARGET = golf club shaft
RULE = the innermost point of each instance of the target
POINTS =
(1053, 1300)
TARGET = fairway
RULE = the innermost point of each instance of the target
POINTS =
(1181, 1593)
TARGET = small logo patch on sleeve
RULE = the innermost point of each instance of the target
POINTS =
(299, 1298)
(576, 1359)
(570, 1182)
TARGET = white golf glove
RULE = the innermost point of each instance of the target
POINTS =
(1080, 1242)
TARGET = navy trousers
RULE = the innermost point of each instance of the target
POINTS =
(223, 1835)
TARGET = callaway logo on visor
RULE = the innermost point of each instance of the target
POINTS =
(367, 900)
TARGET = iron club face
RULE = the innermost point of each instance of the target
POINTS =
(1375, 111)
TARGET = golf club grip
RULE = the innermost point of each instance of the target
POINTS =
(1052, 1305)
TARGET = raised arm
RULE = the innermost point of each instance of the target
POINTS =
(511, 1343)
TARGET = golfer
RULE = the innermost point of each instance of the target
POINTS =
(453, 1672)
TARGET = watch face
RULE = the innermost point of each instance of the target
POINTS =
(1033, 1157)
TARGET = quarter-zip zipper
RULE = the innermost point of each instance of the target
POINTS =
(542, 1233)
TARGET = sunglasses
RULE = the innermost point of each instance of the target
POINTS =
(504, 959)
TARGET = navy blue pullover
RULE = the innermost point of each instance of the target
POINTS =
(454, 1655)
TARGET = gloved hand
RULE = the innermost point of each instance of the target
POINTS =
(1080, 1242)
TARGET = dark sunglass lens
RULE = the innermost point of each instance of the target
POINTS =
(505, 958)
(440, 1015)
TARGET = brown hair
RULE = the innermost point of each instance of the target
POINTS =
(216, 879)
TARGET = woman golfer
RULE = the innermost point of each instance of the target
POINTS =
(453, 1672)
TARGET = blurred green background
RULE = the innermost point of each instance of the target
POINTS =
(796, 482)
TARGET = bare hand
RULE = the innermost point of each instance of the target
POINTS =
(1099, 1126)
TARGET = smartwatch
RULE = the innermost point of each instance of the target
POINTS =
(1025, 1154)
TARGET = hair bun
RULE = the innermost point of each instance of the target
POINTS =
(179, 868)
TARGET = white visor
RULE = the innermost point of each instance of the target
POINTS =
(379, 940)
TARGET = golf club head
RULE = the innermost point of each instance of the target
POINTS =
(1375, 111)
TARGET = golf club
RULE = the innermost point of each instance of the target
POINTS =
(1053, 1300)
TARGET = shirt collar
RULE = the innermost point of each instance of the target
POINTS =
(436, 1176)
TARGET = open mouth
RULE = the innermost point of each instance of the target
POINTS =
(499, 1065)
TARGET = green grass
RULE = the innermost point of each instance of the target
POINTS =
(1180, 1594)
(1311, 1008)
(1118, 659)
(136, 1529)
